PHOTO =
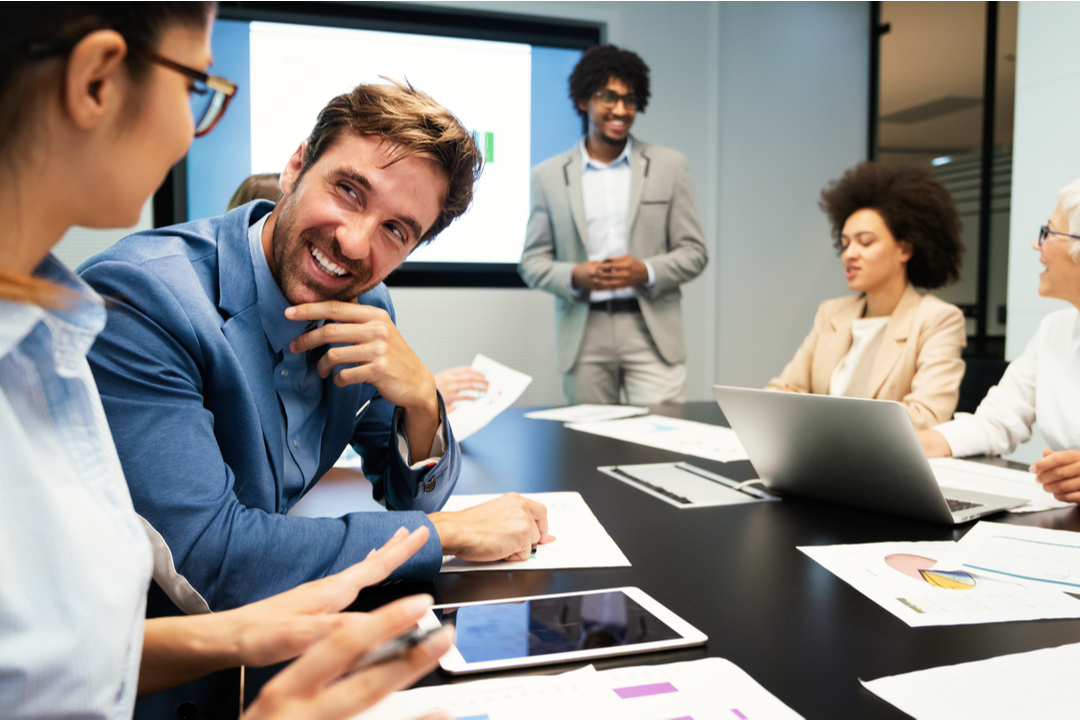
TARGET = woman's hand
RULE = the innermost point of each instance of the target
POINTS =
(283, 626)
(1059, 473)
(318, 685)
(934, 444)
(179, 649)
(460, 383)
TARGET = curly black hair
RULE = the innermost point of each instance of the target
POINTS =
(916, 208)
(599, 64)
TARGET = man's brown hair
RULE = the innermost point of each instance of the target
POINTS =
(417, 126)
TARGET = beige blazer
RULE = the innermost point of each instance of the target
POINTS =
(663, 226)
(918, 362)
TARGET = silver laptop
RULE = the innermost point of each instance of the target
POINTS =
(850, 451)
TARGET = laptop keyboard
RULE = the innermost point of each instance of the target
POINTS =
(957, 505)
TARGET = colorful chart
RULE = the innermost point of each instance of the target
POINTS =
(921, 568)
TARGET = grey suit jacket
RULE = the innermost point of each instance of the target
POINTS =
(664, 229)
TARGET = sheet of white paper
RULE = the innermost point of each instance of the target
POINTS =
(687, 437)
(580, 539)
(901, 578)
(505, 385)
(1037, 684)
(587, 413)
(980, 477)
(684, 485)
(1030, 556)
(701, 689)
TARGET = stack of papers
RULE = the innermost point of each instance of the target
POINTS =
(905, 579)
(580, 539)
(687, 486)
(686, 437)
(505, 385)
(709, 688)
(1037, 684)
(981, 477)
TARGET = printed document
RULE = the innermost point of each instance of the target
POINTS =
(981, 477)
(1037, 684)
(903, 578)
(580, 539)
(1030, 556)
(505, 385)
(686, 437)
(587, 413)
(701, 689)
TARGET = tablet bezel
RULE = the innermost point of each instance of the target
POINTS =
(454, 663)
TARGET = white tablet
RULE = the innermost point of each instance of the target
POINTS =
(568, 627)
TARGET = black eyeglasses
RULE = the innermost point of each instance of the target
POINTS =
(210, 95)
(1045, 232)
(610, 98)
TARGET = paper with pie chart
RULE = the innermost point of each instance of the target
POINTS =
(904, 578)
(686, 437)
(505, 385)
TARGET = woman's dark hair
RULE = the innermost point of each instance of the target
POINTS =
(33, 33)
(916, 208)
(599, 64)
(263, 186)
(35, 40)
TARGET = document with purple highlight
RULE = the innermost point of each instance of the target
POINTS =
(709, 689)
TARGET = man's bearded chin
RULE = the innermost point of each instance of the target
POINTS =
(290, 260)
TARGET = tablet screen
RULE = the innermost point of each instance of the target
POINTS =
(527, 628)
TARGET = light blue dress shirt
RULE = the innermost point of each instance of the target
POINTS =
(605, 188)
(75, 562)
(296, 377)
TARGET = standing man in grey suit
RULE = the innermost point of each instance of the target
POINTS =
(613, 232)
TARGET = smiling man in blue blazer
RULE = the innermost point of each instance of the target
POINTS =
(243, 353)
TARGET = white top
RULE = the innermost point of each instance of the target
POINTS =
(605, 188)
(850, 376)
(1042, 384)
(75, 562)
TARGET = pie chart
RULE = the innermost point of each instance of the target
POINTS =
(921, 568)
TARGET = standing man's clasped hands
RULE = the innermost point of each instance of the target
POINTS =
(616, 273)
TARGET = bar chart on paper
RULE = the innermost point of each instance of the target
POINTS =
(709, 689)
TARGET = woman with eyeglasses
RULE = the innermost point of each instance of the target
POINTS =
(1044, 382)
(896, 228)
(94, 110)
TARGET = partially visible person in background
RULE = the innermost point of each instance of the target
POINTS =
(455, 384)
(262, 186)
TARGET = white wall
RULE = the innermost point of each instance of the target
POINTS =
(793, 112)
(769, 101)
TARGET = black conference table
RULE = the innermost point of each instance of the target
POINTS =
(734, 572)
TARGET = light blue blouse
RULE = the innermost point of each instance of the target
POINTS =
(75, 562)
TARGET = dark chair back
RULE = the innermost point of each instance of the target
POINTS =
(979, 377)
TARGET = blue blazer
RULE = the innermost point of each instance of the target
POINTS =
(186, 377)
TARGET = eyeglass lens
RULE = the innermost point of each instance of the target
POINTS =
(611, 98)
(206, 107)
(1043, 232)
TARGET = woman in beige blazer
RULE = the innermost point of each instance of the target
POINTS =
(895, 229)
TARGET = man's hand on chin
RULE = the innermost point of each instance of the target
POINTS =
(369, 349)
(506, 528)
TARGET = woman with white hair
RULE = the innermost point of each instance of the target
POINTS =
(1044, 382)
